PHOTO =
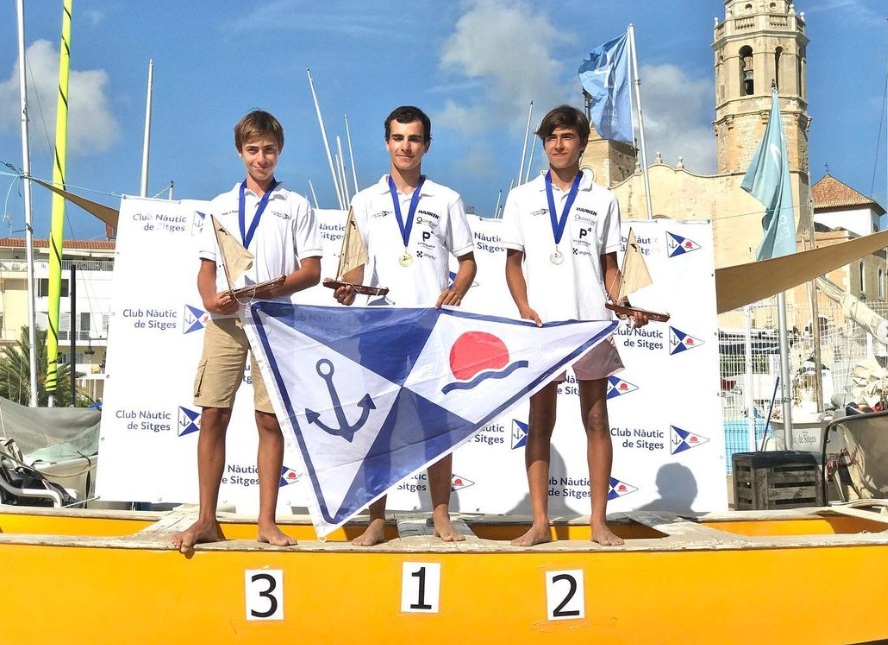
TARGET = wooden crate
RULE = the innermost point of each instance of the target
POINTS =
(768, 481)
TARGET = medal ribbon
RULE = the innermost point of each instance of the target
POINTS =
(414, 202)
(247, 235)
(559, 222)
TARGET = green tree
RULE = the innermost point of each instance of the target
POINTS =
(15, 378)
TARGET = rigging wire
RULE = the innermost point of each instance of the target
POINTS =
(879, 135)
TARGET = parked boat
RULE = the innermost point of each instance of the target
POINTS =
(82, 576)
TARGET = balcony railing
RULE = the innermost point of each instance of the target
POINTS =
(16, 266)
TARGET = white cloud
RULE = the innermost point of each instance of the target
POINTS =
(478, 163)
(677, 114)
(344, 19)
(507, 45)
(94, 17)
(854, 11)
(91, 125)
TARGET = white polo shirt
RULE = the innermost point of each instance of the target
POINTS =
(286, 234)
(574, 289)
(440, 228)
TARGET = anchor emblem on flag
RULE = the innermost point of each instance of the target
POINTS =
(345, 430)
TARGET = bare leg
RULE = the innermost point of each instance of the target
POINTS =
(440, 483)
(375, 533)
(270, 461)
(536, 459)
(599, 454)
(210, 464)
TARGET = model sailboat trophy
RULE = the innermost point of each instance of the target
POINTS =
(635, 275)
(352, 255)
(235, 260)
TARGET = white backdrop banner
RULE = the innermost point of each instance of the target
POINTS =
(664, 409)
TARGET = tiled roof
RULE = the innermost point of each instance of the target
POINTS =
(830, 193)
(73, 245)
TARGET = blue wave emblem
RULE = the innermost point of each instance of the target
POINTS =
(483, 376)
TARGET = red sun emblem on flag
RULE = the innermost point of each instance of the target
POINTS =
(477, 351)
(477, 356)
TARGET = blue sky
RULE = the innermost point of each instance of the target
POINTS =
(472, 65)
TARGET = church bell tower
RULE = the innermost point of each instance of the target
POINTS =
(760, 43)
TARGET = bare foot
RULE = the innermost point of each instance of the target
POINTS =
(444, 529)
(200, 532)
(538, 534)
(272, 534)
(604, 536)
(375, 533)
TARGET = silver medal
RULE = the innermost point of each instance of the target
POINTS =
(556, 257)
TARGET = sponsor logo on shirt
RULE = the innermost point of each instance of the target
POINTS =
(382, 213)
(427, 213)
(281, 214)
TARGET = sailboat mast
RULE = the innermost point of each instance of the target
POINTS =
(314, 95)
(524, 149)
(351, 154)
(29, 228)
(146, 142)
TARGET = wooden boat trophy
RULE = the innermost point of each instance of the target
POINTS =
(352, 255)
(235, 260)
(634, 275)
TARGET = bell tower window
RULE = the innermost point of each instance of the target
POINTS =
(777, 54)
(747, 82)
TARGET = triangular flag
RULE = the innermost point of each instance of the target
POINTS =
(374, 394)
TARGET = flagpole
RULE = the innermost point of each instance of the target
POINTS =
(524, 149)
(58, 208)
(146, 141)
(747, 389)
(314, 95)
(784, 370)
(29, 228)
(644, 165)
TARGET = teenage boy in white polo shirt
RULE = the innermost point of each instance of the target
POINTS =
(278, 228)
(565, 231)
(410, 226)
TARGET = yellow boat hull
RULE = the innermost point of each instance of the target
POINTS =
(81, 577)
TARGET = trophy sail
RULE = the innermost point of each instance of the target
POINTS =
(352, 255)
(634, 276)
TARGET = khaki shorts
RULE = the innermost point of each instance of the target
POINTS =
(221, 368)
(599, 362)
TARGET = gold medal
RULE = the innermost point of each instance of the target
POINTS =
(406, 259)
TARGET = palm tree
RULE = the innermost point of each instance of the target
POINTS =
(15, 365)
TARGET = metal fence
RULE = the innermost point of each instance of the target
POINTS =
(751, 367)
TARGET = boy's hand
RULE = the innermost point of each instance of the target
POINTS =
(448, 297)
(345, 295)
(529, 314)
(222, 303)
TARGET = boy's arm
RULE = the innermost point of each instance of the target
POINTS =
(461, 283)
(518, 286)
(213, 302)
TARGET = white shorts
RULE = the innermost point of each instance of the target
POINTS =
(599, 362)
